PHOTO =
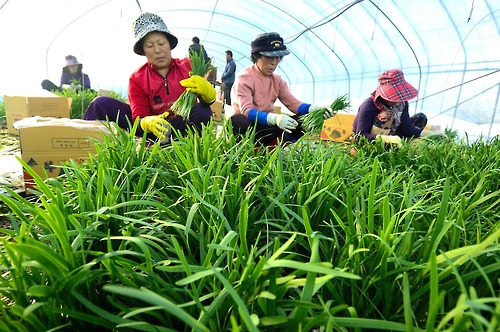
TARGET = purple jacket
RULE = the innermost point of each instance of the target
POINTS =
(367, 113)
(67, 78)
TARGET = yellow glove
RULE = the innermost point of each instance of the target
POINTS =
(156, 124)
(391, 139)
(200, 86)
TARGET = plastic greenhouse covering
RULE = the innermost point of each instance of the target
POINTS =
(448, 49)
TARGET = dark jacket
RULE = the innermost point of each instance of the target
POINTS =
(67, 78)
(229, 73)
(367, 113)
(196, 48)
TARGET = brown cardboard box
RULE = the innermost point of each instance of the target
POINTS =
(217, 111)
(46, 142)
(20, 107)
(337, 128)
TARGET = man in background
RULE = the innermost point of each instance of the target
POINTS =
(228, 77)
(197, 47)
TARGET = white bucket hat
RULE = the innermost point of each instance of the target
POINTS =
(147, 23)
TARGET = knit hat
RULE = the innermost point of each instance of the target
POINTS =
(71, 61)
(269, 44)
(393, 87)
(147, 23)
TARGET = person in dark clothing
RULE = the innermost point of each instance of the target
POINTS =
(228, 77)
(385, 115)
(198, 48)
(72, 76)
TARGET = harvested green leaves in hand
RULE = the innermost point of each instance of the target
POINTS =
(312, 122)
(187, 99)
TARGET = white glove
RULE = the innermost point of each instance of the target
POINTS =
(283, 121)
(327, 110)
(426, 133)
(391, 139)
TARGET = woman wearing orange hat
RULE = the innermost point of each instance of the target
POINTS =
(385, 113)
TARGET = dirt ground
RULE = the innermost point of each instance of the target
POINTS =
(10, 170)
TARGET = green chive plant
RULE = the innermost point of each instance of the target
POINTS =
(208, 234)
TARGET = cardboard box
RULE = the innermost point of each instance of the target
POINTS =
(46, 142)
(337, 128)
(20, 107)
(217, 111)
(107, 93)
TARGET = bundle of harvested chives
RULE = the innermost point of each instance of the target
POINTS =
(312, 122)
(187, 99)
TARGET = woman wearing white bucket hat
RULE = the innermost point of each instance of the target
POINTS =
(156, 85)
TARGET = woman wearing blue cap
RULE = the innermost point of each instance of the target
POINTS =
(257, 88)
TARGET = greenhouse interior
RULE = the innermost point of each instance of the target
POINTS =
(211, 229)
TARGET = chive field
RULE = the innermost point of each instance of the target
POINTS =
(210, 234)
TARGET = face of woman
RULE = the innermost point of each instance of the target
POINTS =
(157, 49)
(268, 64)
(73, 69)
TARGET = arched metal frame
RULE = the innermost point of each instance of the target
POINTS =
(447, 49)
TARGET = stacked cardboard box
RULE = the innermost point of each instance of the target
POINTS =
(20, 107)
(217, 111)
(46, 142)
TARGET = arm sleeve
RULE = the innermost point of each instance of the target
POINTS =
(231, 70)
(86, 83)
(139, 103)
(243, 93)
(303, 109)
(225, 74)
(260, 116)
(406, 129)
(64, 79)
(288, 99)
(363, 121)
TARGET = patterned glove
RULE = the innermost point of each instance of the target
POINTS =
(200, 86)
(156, 124)
(283, 121)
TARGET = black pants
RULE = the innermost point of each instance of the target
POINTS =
(227, 93)
(265, 134)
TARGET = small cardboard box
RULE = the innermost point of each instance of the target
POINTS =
(20, 107)
(46, 142)
(337, 128)
(217, 111)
